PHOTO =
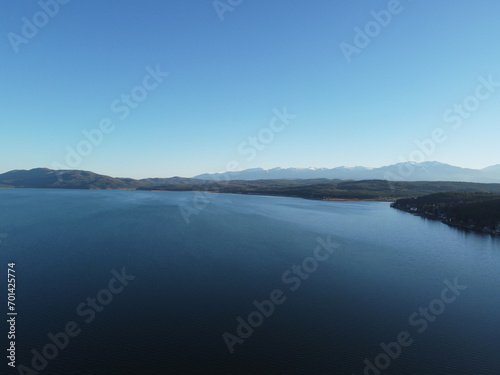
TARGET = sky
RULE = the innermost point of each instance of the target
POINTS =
(164, 88)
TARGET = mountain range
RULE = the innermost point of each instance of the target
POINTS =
(292, 182)
(76, 179)
(426, 171)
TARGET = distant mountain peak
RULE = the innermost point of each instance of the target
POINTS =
(426, 171)
(403, 171)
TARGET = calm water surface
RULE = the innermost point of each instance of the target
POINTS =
(192, 282)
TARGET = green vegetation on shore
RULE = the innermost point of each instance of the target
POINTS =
(324, 189)
(474, 206)
(321, 189)
(474, 211)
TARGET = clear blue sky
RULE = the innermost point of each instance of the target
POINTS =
(226, 78)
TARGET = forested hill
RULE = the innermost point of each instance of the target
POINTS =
(76, 179)
(322, 189)
(475, 211)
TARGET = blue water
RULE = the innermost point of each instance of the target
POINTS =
(193, 280)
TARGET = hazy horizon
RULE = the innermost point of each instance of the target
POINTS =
(256, 168)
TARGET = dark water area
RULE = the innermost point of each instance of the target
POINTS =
(166, 291)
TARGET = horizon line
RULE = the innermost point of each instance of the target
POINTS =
(263, 169)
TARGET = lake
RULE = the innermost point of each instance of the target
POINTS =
(247, 285)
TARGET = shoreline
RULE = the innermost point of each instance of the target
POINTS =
(460, 226)
(281, 195)
(326, 199)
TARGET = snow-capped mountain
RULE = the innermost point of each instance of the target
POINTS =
(426, 171)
